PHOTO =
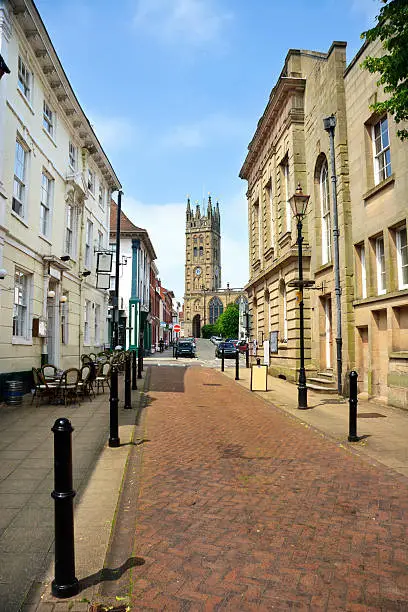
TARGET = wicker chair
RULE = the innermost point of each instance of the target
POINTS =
(85, 386)
(42, 388)
(86, 359)
(49, 371)
(69, 385)
(103, 377)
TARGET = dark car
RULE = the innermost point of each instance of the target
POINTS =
(185, 348)
(242, 346)
(229, 350)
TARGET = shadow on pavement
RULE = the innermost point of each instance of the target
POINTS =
(167, 379)
(107, 574)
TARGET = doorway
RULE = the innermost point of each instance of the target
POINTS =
(53, 325)
(328, 339)
(197, 326)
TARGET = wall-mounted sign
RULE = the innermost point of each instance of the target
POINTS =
(103, 280)
(104, 262)
(266, 352)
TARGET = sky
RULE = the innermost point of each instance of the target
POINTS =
(174, 90)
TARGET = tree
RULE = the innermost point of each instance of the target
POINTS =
(209, 330)
(392, 30)
(228, 322)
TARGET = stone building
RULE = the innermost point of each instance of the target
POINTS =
(55, 188)
(204, 299)
(290, 146)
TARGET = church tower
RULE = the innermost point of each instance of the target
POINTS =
(203, 249)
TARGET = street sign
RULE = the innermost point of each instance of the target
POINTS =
(176, 328)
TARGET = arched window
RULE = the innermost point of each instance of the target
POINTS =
(195, 251)
(325, 212)
(216, 309)
(201, 251)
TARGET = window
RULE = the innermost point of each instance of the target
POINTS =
(72, 156)
(87, 312)
(101, 197)
(91, 181)
(24, 79)
(47, 188)
(269, 197)
(285, 314)
(88, 243)
(195, 252)
(48, 120)
(325, 211)
(216, 309)
(69, 230)
(256, 224)
(380, 257)
(20, 306)
(64, 319)
(363, 272)
(97, 324)
(382, 154)
(402, 258)
(288, 213)
(201, 251)
(20, 170)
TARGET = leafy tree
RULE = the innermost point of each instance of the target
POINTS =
(209, 330)
(228, 322)
(392, 30)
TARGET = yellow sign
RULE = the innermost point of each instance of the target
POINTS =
(259, 377)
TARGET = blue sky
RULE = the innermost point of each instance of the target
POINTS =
(174, 89)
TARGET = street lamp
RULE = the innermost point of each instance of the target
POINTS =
(298, 204)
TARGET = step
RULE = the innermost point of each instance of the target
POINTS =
(327, 374)
(320, 389)
(321, 381)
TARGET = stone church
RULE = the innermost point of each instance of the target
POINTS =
(204, 299)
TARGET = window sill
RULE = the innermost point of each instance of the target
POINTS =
(269, 253)
(50, 137)
(24, 341)
(284, 237)
(379, 298)
(372, 192)
(26, 101)
(16, 216)
(324, 267)
(399, 355)
(47, 240)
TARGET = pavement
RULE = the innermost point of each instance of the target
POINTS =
(217, 499)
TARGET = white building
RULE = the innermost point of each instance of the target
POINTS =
(55, 191)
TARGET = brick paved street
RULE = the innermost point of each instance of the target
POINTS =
(241, 507)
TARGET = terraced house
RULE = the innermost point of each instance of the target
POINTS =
(290, 147)
(55, 191)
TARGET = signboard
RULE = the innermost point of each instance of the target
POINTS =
(266, 352)
(259, 377)
(103, 280)
(273, 341)
(104, 262)
(176, 328)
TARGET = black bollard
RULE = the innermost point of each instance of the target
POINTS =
(258, 361)
(353, 437)
(222, 359)
(114, 440)
(65, 584)
(139, 363)
(134, 371)
(247, 357)
(237, 366)
(128, 383)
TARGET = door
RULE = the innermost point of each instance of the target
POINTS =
(328, 332)
(53, 325)
(197, 326)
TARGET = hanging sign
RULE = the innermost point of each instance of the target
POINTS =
(103, 281)
(104, 262)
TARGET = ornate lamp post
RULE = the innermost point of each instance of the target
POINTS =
(298, 204)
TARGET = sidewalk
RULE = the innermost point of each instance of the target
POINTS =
(26, 506)
(383, 429)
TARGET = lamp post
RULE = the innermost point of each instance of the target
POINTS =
(298, 204)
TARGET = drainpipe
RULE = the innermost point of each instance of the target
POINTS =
(329, 125)
(81, 280)
(115, 335)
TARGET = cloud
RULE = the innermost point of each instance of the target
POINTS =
(202, 132)
(115, 133)
(192, 22)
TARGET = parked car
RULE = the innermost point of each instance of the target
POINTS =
(216, 339)
(185, 348)
(230, 350)
(193, 340)
(242, 346)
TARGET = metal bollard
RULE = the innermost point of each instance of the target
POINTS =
(139, 363)
(353, 437)
(222, 360)
(247, 357)
(134, 371)
(65, 583)
(128, 383)
(114, 440)
(237, 366)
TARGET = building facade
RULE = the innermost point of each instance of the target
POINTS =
(55, 187)
(204, 299)
(290, 146)
(136, 257)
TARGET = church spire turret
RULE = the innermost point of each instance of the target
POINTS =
(188, 210)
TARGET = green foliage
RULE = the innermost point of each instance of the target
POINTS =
(209, 330)
(228, 322)
(392, 30)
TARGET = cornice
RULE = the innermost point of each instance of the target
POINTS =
(26, 15)
(5, 22)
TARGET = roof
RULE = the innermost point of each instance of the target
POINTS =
(129, 228)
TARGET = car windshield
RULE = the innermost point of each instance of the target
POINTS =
(185, 343)
(228, 345)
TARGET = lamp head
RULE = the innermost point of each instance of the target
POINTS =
(298, 203)
(65, 258)
(85, 273)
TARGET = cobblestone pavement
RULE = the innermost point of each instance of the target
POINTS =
(238, 506)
